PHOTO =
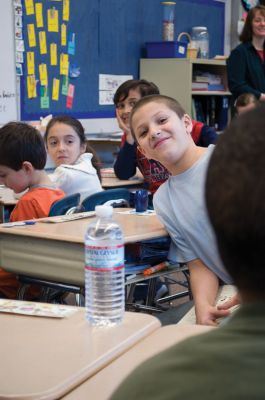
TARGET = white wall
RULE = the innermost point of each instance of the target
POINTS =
(8, 92)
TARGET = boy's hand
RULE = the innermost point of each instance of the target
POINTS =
(209, 315)
(125, 128)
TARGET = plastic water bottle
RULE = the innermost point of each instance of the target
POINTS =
(104, 270)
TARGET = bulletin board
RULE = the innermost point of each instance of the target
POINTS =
(102, 37)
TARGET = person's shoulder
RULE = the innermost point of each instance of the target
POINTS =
(161, 194)
(241, 48)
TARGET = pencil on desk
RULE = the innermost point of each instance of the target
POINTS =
(156, 268)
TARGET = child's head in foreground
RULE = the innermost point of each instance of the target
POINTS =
(22, 151)
(235, 192)
(161, 128)
(245, 102)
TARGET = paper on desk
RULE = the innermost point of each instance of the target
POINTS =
(35, 309)
(70, 217)
(133, 212)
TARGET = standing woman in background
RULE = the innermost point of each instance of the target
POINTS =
(245, 65)
(77, 165)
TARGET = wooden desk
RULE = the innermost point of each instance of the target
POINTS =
(56, 251)
(113, 374)
(108, 182)
(6, 199)
(44, 358)
(111, 181)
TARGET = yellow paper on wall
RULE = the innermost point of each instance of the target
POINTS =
(66, 9)
(55, 89)
(30, 63)
(63, 35)
(39, 15)
(64, 64)
(43, 74)
(29, 7)
(31, 86)
(53, 54)
(31, 35)
(42, 40)
(53, 25)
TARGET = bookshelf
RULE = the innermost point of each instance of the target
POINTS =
(173, 76)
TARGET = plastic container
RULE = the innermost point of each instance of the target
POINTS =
(200, 41)
(104, 270)
(168, 20)
(191, 51)
(166, 49)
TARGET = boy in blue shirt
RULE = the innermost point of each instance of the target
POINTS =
(162, 130)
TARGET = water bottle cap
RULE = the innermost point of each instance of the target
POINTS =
(104, 211)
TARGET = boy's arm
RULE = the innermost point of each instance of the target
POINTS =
(125, 164)
(204, 287)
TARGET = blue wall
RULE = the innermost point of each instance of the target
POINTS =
(110, 39)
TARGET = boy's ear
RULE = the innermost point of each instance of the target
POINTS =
(188, 123)
(27, 167)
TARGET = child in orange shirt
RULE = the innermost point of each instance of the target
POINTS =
(22, 161)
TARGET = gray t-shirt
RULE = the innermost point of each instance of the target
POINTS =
(180, 205)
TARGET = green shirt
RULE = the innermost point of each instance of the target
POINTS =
(226, 363)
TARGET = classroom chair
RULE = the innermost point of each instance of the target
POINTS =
(65, 206)
(54, 291)
(115, 197)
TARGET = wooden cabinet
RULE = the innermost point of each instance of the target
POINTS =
(173, 76)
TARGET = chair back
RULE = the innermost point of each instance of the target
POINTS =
(115, 197)
(62, 206)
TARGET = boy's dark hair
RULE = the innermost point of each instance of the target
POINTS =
(171, 103)
(21, 142)
(79, 129)
(246, 34)
(235, 192)
(245, 99)
(145, 89)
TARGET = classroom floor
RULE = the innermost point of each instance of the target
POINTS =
(177, 308)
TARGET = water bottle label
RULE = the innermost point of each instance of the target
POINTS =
(102, 259)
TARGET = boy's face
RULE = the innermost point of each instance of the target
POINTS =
(124, 107)
(161, 134)
(15, 180)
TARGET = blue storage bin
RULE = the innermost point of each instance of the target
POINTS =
(165, 49)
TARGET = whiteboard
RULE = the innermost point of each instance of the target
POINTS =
(8, 92)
